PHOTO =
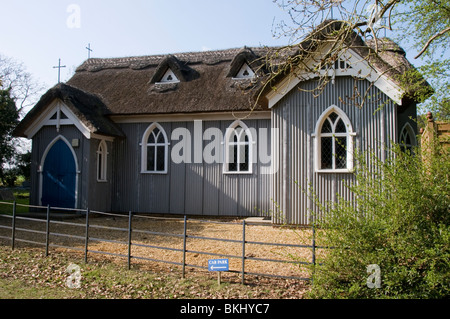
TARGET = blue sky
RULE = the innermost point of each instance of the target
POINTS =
(38, 33)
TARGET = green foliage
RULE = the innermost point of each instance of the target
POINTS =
(24, 165)
(9, 177)
(433, 99)
(399, 221)
(419, 23)
(8, 120)
(419, 20)
(9, 117)
(439, 74)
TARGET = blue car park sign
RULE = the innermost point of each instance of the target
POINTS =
(218, 265)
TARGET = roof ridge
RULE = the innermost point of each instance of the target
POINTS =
(140, 62)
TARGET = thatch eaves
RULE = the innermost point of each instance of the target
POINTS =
(389, 59)
(87, 107)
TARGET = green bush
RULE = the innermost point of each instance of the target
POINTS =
(398, 220)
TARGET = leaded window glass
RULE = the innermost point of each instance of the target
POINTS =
(334, 143)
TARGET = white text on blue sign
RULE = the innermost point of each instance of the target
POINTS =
(218, 265)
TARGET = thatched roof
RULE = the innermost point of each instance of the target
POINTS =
(130, 85)
(89, 109)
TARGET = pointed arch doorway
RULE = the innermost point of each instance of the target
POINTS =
(59, 175)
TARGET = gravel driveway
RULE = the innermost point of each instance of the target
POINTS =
(215, 228)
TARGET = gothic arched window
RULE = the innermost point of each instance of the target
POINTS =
(154, 150)
(102, 160)
(238, 149)
(407, 139)
(334, 142)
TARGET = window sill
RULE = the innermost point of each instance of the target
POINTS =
(167, 82)
(237, 173)
(337, 171)
(154, 173)
(250, 78)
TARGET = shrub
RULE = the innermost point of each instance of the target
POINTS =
(399, 221)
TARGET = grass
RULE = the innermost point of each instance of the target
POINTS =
(28, 274)
(22, 198)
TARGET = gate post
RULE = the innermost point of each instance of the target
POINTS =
(47, 231)
(243, 252)
(130, 214)
(13, 226)
(184, 246)
(87, 237)
(313, 252)
(313, 245)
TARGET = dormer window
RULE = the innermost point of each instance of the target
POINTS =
(169, 77)
(245, 72)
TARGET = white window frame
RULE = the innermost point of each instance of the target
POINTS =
(102, 162)
(318, 145)
(145, 145)
(166, 75)
(229, 142)
(244, 68)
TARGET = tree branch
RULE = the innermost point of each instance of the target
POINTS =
(431, 40)
(384, 9)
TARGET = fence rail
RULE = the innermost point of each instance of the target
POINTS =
(87, 238)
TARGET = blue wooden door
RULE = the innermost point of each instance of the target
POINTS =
(59, 177)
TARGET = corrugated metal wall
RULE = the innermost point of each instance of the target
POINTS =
(296, 115)
(187, 188)
(99, 195)
(203, 188)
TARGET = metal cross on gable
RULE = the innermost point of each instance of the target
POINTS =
(89, 50)
(59, 70)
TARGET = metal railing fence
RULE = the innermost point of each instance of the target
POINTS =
(129, 230)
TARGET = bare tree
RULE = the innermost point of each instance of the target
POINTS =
(24, 89)
(19, 91)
